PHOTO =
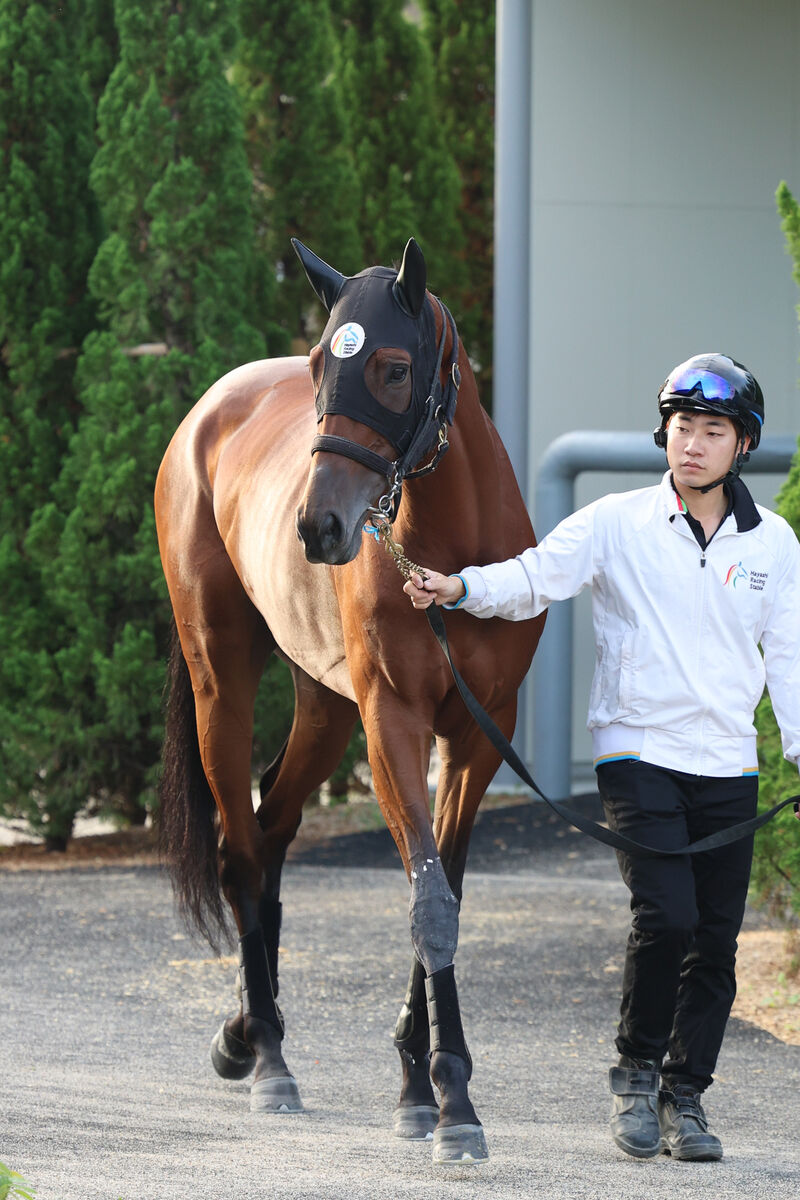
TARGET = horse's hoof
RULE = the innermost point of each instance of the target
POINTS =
(456, 1145)
(276, 1095)
(416, 1122)
(231, 1058)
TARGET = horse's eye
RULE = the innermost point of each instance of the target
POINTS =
(397, 373)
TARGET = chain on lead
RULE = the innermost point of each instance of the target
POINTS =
(381, 519)
(383, 528)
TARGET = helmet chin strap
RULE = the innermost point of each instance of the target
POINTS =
(741, 458)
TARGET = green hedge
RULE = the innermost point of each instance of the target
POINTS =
(776, 865)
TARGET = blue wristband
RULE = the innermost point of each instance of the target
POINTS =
(458, 603)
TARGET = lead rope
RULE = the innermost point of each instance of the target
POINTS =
(382, 529)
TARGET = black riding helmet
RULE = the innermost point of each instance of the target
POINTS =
(712, 383)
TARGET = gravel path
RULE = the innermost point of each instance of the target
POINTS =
(108, 1009)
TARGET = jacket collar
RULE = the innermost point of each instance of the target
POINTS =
(740, 503)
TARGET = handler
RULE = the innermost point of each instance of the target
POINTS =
(687, 579)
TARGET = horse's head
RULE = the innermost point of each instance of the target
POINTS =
(375, 375)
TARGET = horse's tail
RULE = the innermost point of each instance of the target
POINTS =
(187, 827)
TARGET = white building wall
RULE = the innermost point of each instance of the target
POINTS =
(660, 132)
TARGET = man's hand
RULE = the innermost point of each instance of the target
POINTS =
(441, 589)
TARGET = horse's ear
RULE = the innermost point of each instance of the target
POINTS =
(409, 287)
(326, 282)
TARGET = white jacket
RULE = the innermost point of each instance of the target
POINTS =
(677, 628)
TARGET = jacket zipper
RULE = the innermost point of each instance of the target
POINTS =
(698, 660)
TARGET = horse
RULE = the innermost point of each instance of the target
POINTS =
(265, 503)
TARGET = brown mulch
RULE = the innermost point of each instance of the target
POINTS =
(138, 846)
(126, 848)
(768, 994)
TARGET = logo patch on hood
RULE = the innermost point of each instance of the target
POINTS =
(347, 340)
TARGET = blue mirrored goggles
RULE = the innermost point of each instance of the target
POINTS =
(712, 386)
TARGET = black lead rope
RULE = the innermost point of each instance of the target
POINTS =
(599, 832)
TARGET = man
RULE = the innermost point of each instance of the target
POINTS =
(687, 578)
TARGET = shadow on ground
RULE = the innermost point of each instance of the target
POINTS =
(519, 836)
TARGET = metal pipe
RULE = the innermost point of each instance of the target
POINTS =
(512, 229)
(512, 208)
(550, 681)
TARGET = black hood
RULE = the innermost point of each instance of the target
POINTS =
(366, 316)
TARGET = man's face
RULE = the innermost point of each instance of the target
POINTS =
(701, 447)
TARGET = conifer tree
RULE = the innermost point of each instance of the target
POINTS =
(776, 860)
(461, 34)
(408, 177)
(298, 147)
(98, 47)
(49, 229)
(175, 285)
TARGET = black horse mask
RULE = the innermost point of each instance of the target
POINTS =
(376, 308)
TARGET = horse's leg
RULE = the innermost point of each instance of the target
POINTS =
(399, 755)
(225, 643)
(230, 1054)
(417, 1112)
(468, 765)
(321, 729)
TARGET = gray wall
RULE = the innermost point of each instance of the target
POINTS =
(659, 134)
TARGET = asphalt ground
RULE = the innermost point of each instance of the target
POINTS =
(108, 1008)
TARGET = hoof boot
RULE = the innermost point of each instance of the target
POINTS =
(415, 1122)
(455, 1145)
(276, 1095)
(231, 1058)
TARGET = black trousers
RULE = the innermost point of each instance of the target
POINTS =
(679, 983)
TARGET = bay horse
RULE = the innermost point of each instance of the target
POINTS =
(262, 501)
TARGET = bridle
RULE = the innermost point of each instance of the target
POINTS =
(439, 412)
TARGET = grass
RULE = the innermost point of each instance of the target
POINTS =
(13, 1184)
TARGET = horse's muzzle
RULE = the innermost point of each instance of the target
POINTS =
(326, 540)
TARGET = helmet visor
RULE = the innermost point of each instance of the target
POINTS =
(687, 379)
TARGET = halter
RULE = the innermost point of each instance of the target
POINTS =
(438, 412)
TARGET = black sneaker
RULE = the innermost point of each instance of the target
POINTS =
(634, 1112)
(684, 1125)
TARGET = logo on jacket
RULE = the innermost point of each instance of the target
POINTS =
(735, 575)
(738, 574)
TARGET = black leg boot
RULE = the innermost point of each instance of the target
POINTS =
(684, 1125)
(634, 1112)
